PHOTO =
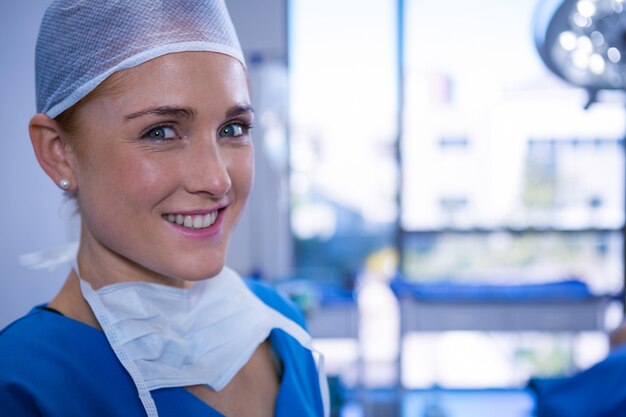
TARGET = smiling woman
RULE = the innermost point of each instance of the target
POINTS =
(150, 133)
(156, 147)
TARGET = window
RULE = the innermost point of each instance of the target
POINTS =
(505, 178)
(497, 152)
(343, 133)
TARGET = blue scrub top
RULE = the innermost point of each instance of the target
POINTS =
(52, 365)
(599, 391)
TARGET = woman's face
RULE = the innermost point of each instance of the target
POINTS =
(164, 167)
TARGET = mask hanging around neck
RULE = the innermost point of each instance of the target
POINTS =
(175, 337)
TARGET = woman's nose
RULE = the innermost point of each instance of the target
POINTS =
(207, 169)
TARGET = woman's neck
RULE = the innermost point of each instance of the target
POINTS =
(70, 302)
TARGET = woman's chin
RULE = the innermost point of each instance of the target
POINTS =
(201, 273)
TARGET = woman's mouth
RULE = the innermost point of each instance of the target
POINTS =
(192, 221)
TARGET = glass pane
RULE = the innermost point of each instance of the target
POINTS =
(507, 258)
(501, 155)
(499, 359)
(493, 139)
(343, 114)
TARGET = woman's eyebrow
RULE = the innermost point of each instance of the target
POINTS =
(176, 112)
(238, 110)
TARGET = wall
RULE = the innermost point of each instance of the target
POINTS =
(262, 242)
(33, 213)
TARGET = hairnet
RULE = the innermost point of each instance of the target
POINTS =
(82, 42)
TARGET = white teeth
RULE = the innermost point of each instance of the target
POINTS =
(193, 222)
(209, 219)
(197, 221)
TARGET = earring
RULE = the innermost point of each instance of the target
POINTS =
(64, 183)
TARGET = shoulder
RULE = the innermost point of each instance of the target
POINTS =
(41, 330)
(44, 353)
(51, 342)
(26, 331)
(300, 387)
(277, 300)
(31, 363)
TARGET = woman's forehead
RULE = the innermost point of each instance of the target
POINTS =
(188, 79)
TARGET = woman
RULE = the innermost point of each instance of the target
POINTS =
(144, 117)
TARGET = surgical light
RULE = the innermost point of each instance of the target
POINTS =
(583, 42)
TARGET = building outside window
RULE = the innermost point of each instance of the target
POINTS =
(506, 178)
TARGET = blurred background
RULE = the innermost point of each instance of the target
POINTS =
(440, 186)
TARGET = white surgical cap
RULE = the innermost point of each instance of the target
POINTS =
(82, 42)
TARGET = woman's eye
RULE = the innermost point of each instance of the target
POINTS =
(232, 130)
(160, 133)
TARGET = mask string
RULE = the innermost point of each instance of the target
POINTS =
(51, 258)
(323, 381)
(304, 338)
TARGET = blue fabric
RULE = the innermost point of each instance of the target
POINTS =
(323, 293)
(563, 290)
(51, 365)
(600, 391)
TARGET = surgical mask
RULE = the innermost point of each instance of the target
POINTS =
(175, 337)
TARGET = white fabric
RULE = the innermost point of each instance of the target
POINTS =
(50, 258)
(174, 337)
(323, 381)
(82, 42)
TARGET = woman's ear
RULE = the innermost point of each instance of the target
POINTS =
(51, 150)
